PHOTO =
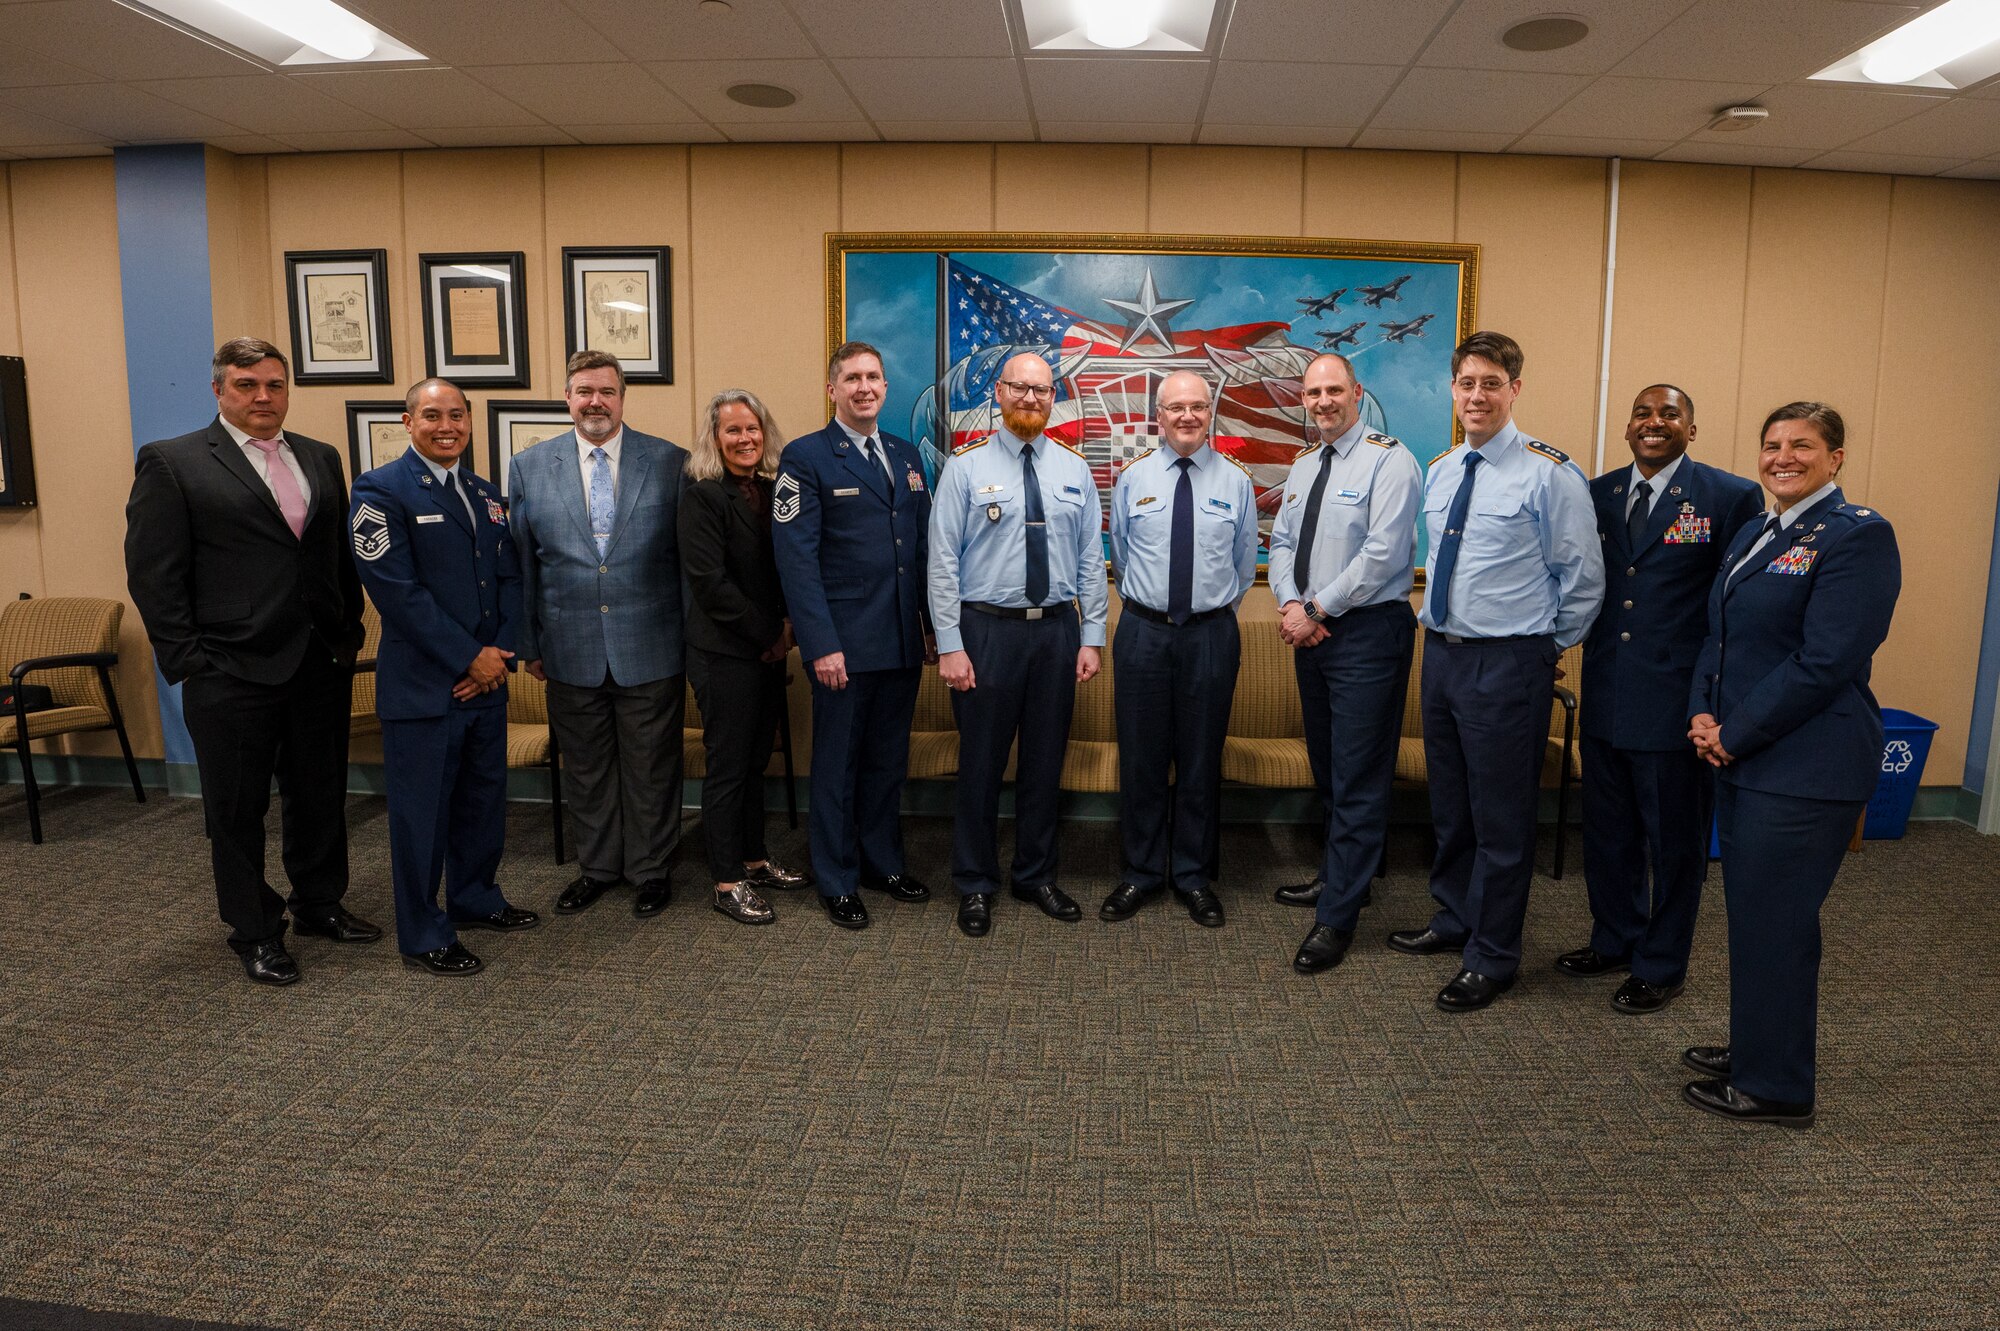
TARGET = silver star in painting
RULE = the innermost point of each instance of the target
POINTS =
(1154, 315)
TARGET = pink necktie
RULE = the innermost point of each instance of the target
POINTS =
(284, 485)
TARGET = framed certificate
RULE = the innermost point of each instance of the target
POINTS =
(618, 300)
(516, 426)
(339, 303)
(476, 319)
(375, 435)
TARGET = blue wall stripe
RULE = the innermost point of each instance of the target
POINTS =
(169, 318)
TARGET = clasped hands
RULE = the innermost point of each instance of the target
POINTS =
(486, 673)
(1706, 732)
(1299, 629)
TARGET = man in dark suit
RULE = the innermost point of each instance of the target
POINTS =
(1647, 796)
(236, 557)
(432, 547)
(850, 515)
(594, 512)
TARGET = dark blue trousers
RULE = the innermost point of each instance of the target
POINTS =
(1644, 811)
(1486, 727)
(1172, 693)
(1351, 689)
(1024, 671)
(447, 785)
(1779, 857)
(861, 755)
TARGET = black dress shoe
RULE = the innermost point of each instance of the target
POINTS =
(1124, 902)
(1054, 902)
(1711, 1060)
(1424, 942)
(338, 923)
(451, 960)
(1588, 961)
(1203, 908)
(1635, 996)
(975, 914)
(582, 894)
(1300, 894)
(847, 911)
(899, 886)
(771, 875)
(268, 963)
(1322, 950)
(1470, 991)
(506, 920)
(1724, 1100)
(653, 898)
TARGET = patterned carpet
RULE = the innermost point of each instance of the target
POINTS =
(683, 1123)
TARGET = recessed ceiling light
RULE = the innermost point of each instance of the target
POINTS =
(1954, 45)
(281, 32)
(1126, 27)
(765, 96)
(1548, 32)
(1118, 24)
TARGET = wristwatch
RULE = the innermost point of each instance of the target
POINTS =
(1313, 612)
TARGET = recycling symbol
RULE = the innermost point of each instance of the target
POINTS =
(1896, 756)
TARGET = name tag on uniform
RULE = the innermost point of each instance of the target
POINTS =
(430, 517)
(1347, 494)
(1072, 490)
(1221, 506)
(842, 494)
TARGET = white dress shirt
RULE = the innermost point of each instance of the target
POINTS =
(258, 457)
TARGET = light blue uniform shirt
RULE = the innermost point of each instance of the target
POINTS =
(1365, 546)
(979, 548)
(1225, 529)
(1530, 560)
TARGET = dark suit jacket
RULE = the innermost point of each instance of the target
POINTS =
(216, 573)
(735, 605)
(1638, 662)
(1785, 668)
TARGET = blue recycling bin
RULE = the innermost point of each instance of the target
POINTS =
(1906, 743)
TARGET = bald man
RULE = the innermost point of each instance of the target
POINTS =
(1184, 548)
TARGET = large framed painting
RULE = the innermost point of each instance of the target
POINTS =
(1115, 314)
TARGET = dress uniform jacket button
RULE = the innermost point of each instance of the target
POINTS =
(1628, 605)
(603, 609)
(1631, 572)
(1624, 637)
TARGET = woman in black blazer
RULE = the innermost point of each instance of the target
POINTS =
(737, 640)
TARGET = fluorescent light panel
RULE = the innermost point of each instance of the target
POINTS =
(1161, 27)
(282, 32)
(1952, 46)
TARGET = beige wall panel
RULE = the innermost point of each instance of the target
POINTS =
(1540, 223)
(617, 196)
(1361, 195)
(916, 187)
(20, 529)
(1211, 191)
(239, 252)
(1812, 325)
(1683, 240)
(1070, 187)
(759, 275)
(66, 254)
(10, 307)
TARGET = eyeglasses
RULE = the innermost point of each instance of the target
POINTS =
(1030, 391)
(1185, 408)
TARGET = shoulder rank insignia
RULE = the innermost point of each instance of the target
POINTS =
(1861, 512)
(1548, 451)
(1233, 461)
(1135, 461)
(963, 449)
(1072, 448)
(1447, 453)
(1383, 440)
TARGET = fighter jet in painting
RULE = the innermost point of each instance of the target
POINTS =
(1374, 296)
(1314, 306)
(1396, 332)
(1339, 338)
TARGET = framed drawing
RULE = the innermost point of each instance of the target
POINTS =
(375, 435)
(618, 300)
(340, 316)
(514, 427)
(476, 318)
(1115, 314)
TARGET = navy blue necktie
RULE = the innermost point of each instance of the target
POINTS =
(1635, 521)
(1180, 561)
(1454, 528)
(1037, 529)
(1302, 565)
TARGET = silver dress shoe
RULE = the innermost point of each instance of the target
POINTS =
(771, 874)
(742, 904)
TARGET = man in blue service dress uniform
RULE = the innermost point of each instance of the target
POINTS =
(1184, 546)
(850, 517)
(1515, 577)
(1016, 557)
(1343, 550)
(433, 549)
(1664, 522)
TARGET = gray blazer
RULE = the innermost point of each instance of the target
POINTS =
(582, 617)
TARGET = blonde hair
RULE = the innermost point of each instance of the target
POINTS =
(705, 458)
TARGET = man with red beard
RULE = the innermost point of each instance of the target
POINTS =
(1018, 599)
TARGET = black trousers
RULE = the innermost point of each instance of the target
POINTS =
(860, 757)
(739, 700)
(244, 735)
(1172, 694)
(1643, 811)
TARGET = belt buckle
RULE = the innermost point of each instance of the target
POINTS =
(1034, 612)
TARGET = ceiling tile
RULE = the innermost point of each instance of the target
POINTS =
(1772, 40)
(682, 30)
(1888, 164)
(1815, 115)
(957, 131)
(1718, 149)
(118, 111)
(701, 84)
(266, 103)
(1645, 108)
(1111, 91)
(1492, 101)
(1569, 145)
(1433, 140)
(249, 143)
(1983, 170)
(855, 28)
(25, 69)
(22, 127)
(689, 133)
(580, 94)
(117, 43)
(411, 97)
(492, 32)
(357, 141)
(1085, 131)
(1962, 127)
(1278, 136)
(799, 131)
(1255, 92)
(1358, 32)
(922, 88)
(1470, 39)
